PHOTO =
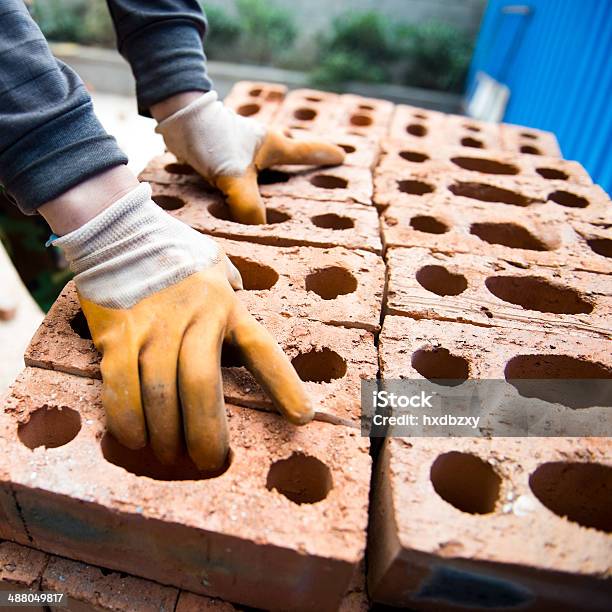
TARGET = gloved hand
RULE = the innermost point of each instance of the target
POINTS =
(228, 150)
(159, 302)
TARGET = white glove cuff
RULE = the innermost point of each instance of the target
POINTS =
(212, 138)
(133, 249)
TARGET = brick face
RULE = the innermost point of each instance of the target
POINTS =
(195, 534)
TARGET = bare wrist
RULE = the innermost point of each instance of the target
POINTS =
(86, 200)
(162, 110)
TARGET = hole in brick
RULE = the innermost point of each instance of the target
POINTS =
(552, 174)
(440, 366)
(328, 181)
(419, 116)
(79, 326)
(601, 246)
(474, 143)
(305, 114)
(415, 187)
(255, 92)
(168, 202)
(361, 120)
(489, 193)
(535, 293)
(231, 356)
(508, 234)
(331, 282)
(414, 156)
(529, 135)
(269, 177)
(530, 150)
(313, 99)
(577, 381)
(581, 492)
(486, 166)
(366, 107)
(441, 281)
(333, 221)
(471, 128)
(301, 478)
(255, 276)
(143, 462)
(274, 216)
(571, 200)
(177, 168)
(466, 482)
(50, 427)
(416, 129)
(347, 148)
(274, 96)
(430, 225)
(320, 366)
(246, 110)
(220, 210)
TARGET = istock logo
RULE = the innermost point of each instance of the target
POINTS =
(385, 399)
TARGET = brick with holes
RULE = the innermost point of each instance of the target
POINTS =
(291, 221)
(364, 116)
(331, 360)
(309, 109)
(529, 141)
(337, 184)
(283, 527)
(485, 164)
(488, 291)
(541, 238)
(336, 286)
(414, 124)
(403, 186)
(503, 523)
(254, 99)
(21, 569)
(93, 589)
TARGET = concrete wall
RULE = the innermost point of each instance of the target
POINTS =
(316, 15)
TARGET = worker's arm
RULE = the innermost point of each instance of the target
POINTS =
(159, 300)
(163, 42)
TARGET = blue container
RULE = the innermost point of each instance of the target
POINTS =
(556, 58)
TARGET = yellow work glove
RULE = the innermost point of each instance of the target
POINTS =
(159, 300)
(228, 151)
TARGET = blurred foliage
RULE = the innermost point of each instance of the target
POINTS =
(225, 30)
(80, 21)
(369, 47)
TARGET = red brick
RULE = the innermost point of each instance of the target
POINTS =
(526, 237)
(336, 356)
(309, 109)
(529, 140)
(488, 291)
(190, 602)
(235, 536)
(485, 164)
(291, 221)
(334, 286)
(337, 184)
(430, 552)
(411, 187)
(414, 124)
(365, 116)
(254, 99)
(598, 241)
(485, 351)
(21, 568)
(92, 589)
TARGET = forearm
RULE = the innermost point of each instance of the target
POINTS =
(50, 139)
(162, 41)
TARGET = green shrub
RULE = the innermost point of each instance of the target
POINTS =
(438, 56)
(223, 32)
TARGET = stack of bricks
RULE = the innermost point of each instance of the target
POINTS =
(443, 247)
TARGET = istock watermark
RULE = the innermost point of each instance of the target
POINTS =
(521, 407)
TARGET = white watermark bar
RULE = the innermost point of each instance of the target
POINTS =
(32, 599)
(486, 408)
